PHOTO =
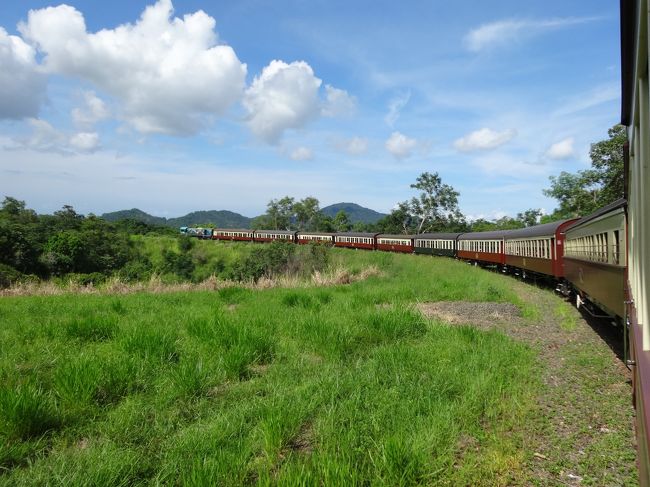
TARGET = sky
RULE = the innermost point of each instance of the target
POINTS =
(175, 107)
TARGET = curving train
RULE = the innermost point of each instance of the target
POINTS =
(582, 256)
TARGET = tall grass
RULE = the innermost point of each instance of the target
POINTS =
(339, 385)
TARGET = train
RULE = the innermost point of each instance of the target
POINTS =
(582, 256)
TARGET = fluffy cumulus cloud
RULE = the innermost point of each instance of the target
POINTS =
(302, 154)
(45, 138)
(94, 110)
(505, 32)
(484, 139)
(284, 96)
(338, 102)
(22, 86)
(561, 150)
(400, 145)
(168, 73)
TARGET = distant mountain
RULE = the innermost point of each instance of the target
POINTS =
(221, 219)
(356, 213)
(134, 214)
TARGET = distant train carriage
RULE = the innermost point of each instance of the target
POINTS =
(482, 247)
(270, 235)
(443, 244)
(232, 234)
(395, 243)
(356, 240)
(594, 257)
(537, 249)
(315, 237)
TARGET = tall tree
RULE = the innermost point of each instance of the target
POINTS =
(281, 212)
(437, 205)
(530, 217)
(306, 211)
(585, 191)
(342, 222)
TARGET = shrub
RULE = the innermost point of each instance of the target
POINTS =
(8, 276)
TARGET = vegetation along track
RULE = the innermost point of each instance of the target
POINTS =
(343, 385)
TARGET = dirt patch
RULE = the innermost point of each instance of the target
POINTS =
(465, 312)
(302, 443)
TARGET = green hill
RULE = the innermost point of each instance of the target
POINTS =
(220, 218)
(356, 213)
(134, 214)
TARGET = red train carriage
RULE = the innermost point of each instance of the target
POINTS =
(356, 240)
(314, 237)
(482, 247)
(395, 243)
(537, 249)
(232, 234)
(270, 235)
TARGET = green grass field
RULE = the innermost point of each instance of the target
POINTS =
(342, 385)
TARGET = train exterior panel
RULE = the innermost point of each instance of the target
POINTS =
(232, 234)
(441, 244)
(594, 257)
(271, 235)
(483, 247)
(356, 240)
(538, 249)
(635, 114)
(304, 238)
(395, 243)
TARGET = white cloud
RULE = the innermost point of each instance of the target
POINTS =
(45, 138)
(506, 32)
(561, 150)
(395, 106)
(338, 102)
(22, 87)
(484, 139)
(85, 141)
(400, 145)
(168, 73)
(354, 146)
(302, 154)
(284, 96)
(93, 111)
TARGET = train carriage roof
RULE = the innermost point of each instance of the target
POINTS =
(396, 236)
(544, 230)
(246, 230)
(620, 203)
(357, 234)
(278, 232)
(437, 236)
(328, 234)
(494, 235)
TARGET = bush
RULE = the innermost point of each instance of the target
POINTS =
(136, 270)
(264, 261)
(90, 279)
(8, 276)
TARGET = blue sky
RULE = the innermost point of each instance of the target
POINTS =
(225, 105)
